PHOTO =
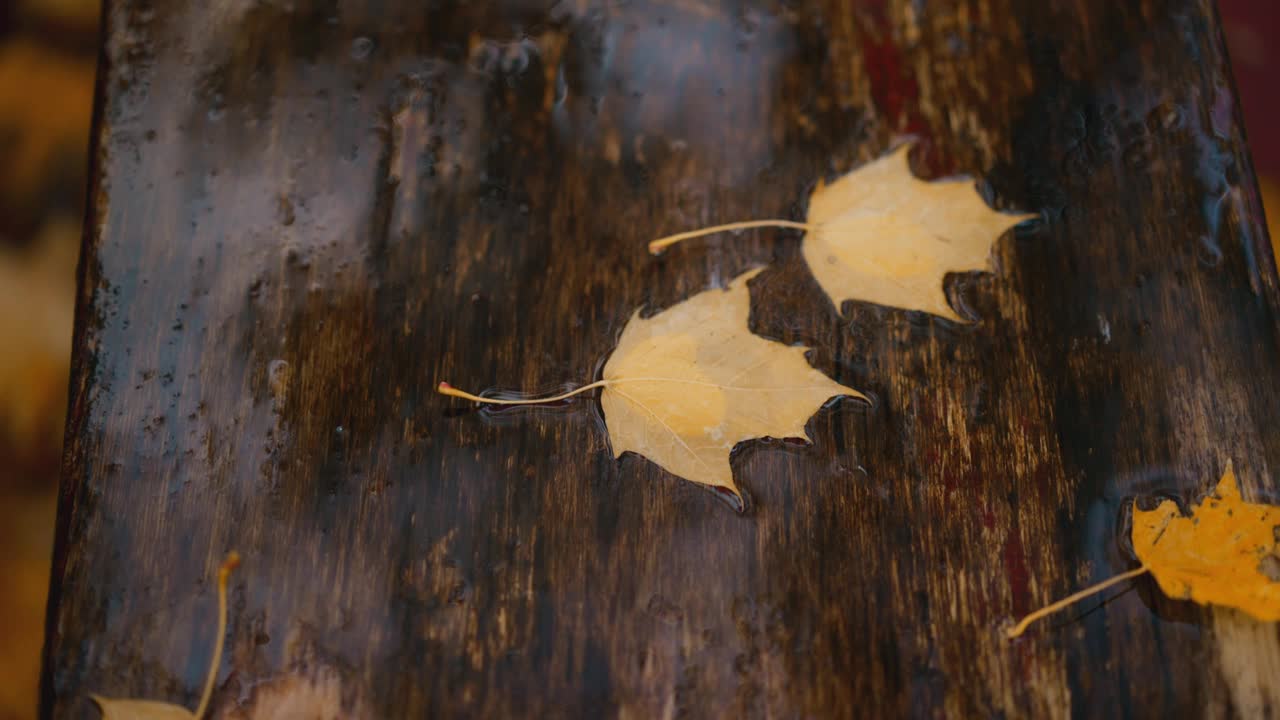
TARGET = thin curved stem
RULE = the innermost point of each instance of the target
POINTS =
(445, 388)
(224, 572)
(657, 246)
(1052, 608)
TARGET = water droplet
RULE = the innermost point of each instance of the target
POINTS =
(1210, 253)
(278, 374)
(217, 109)
(361, 48)
(664, 610)
(739, 502)
(1165, 116)
(287, 215)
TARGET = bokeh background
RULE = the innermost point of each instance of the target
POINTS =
(48, 52)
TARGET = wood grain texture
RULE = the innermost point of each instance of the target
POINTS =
(306, 214)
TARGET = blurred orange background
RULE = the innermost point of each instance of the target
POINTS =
(47, 58)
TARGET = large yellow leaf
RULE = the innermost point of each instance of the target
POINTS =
(1227, 552)
(884, 236)
(685, 386)
(881, 235)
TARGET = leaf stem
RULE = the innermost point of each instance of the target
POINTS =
(445, 388)
(657, 246)
(1052, 608)
(229, 564)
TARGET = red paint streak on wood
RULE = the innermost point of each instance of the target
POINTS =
(988, 518)
(894, 88)
(1026, 660)
(1252, 29)
(1015, 567)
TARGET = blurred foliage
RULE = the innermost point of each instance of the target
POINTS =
(47, 57)
(46, 101)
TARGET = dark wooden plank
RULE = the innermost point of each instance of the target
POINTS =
(307, 214)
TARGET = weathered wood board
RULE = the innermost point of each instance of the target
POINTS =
(306, 214)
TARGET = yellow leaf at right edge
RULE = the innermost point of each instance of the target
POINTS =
(140, 710)
(1227, 552)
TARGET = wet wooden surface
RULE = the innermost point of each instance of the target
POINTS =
(306, 214)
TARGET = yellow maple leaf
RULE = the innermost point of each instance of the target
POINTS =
(130, 709)
(881, 235)
(686, 385)
(1227, 552)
